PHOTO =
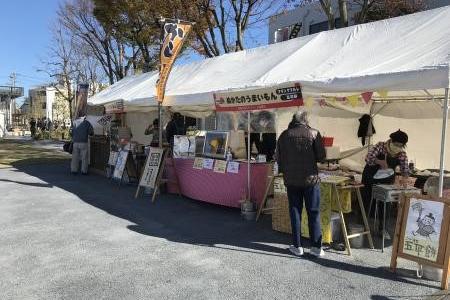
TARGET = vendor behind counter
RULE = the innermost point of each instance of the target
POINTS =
(383, 156)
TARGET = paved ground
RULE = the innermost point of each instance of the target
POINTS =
(83, 237)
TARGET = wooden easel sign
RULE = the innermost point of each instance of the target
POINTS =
(152, 169)
(421, 233)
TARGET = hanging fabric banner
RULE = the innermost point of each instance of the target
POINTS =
(174, 36)
(285, 95)
(81, 100)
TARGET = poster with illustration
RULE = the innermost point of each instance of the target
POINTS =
(216, 144)
(423, 229)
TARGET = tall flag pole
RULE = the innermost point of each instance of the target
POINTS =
(173, 35)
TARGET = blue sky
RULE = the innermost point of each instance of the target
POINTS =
(25, 37)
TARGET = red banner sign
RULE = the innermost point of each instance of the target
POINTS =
(286, 95)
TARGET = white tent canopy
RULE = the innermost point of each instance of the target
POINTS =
(409, 55)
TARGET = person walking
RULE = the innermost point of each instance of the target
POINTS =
(299, 149)
(80, 132)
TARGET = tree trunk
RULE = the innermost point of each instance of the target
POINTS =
(108, 61)
(328, 10)
(343, 13)
(363, 13)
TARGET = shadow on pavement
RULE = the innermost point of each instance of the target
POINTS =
(28, 183)
(186, 221)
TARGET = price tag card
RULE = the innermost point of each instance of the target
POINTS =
(208, 163)
(198, 163)
(233, 167)
(220, 166)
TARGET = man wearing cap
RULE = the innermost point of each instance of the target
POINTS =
(299, 148)
(382, 156)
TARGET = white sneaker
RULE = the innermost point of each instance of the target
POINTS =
(317, 252)
(296, 251)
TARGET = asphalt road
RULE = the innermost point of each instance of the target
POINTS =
(83, 237)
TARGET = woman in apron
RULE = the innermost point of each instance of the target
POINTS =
(385, 155)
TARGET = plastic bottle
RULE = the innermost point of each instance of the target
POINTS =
(275, 168)
(229, 155)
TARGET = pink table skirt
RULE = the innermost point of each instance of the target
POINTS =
(224, 189)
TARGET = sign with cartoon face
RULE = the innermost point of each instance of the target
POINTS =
(422, 233)
(423, 229)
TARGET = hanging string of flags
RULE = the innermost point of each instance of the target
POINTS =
(352, 100)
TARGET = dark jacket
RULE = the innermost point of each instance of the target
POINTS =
(175, 127)
(81, 131)
(299, 148)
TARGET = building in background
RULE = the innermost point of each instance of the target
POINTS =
(50, 103)
(8, 95)
(309, 19)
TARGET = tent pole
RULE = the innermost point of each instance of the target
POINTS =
(160, 125)
(443, 141)
(248, 155)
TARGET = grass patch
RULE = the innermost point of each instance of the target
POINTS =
(23, 152)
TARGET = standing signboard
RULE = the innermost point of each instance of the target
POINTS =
(152, 167)
(421, 233)
(121, 162)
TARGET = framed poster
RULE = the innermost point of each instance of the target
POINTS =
(121, 162)
(216, 144)
(152, 166)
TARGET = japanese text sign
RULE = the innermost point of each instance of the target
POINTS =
(285, 95)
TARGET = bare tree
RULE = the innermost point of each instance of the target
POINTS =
(90, 70)
(222, 24)
(114, 56)
(383, 9)
(61, 65)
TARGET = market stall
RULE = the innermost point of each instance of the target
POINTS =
(343, 74)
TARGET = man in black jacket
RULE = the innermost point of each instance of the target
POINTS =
(175, 127)
(299, 149)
